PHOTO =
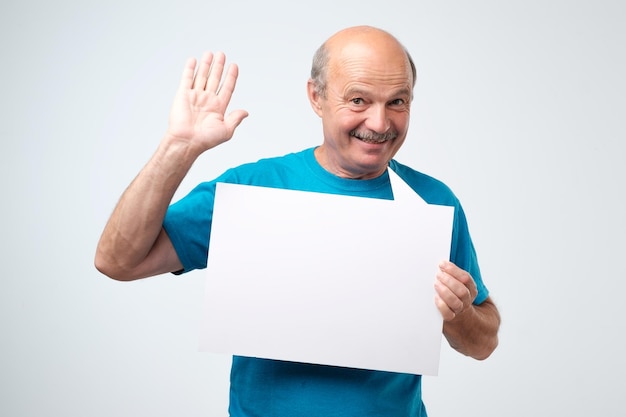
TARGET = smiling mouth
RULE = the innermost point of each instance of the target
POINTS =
(372, 137)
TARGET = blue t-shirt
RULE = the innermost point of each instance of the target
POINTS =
(270, 388)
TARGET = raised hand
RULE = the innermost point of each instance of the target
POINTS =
(133, 244)
(197, 117)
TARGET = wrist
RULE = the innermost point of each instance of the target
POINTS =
(179, 148)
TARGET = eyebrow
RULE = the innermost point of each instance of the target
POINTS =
(402, 92)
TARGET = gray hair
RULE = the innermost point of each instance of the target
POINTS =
(319, 69)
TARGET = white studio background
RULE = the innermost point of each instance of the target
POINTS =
(519, 108)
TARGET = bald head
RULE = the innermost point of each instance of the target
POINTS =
(376, 45)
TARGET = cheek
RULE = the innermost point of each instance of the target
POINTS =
(398, 144)
(345, 119)
(401, 121)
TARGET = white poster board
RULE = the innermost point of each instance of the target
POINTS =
(326, 279)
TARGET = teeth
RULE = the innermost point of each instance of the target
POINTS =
(373, 140)
(373, 137)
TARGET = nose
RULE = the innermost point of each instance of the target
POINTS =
(377, 119)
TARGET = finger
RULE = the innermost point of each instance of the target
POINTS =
(204, 69)
(458, 273)
(453, 283)
(450, 268)
(186, 80)
(215, 74)
(449, 297)
(230, 80)
(446, 313)
(235, 118)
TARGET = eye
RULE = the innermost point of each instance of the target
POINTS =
(397, 102)
(357, 101)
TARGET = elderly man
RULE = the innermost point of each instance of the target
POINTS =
(361, 87)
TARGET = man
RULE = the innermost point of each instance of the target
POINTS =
(361, 87)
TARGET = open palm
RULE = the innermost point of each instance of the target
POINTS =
(198, 112)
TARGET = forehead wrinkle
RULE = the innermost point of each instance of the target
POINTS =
(386, 84)
(368, 70)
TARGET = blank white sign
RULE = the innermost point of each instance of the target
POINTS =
(326, 279)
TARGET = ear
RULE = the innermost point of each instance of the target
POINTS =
(314, 98)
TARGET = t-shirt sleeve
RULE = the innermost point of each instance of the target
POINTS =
(188, 225)
(463, 253)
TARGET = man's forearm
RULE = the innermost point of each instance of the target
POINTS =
(136, 222)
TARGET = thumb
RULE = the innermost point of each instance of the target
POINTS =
(235, 118)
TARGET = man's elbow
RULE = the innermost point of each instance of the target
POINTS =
(111, 269)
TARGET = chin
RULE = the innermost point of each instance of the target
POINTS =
(369, 167)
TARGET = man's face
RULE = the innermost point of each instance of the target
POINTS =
(365, 112)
